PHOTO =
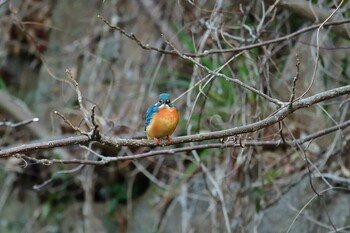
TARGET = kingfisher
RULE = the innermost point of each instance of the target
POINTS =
(161, 119)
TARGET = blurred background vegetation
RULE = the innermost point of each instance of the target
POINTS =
(251, 189)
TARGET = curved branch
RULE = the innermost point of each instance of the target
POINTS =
(230, 144)
(279, 115)
(221, 51)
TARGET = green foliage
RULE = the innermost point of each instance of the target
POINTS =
(46, 209)
(56, 155)
(207, 155)
(344, 63)
(258, 205)
(222, 93)
(182, 80)
(114, 194)
(242, 70)
(186, 41)
(270, 175)
(3, 86)
(57, 199)
(333, 36)
(3, 173)
(258, 194)
(54, 205)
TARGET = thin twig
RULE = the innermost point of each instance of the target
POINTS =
(295, 79)
(84, 111)
(96, 135)
(315, 196)
(318, 48)
(280, 131)
(18, 124)
(55, 175)
(221, 51)
(77, 129)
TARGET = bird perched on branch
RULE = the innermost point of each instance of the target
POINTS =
(161, 119)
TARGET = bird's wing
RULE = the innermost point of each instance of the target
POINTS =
(149, 113)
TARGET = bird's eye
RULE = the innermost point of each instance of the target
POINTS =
(160, 101)
(167, 101)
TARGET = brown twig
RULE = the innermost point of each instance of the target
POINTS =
(84, 111)
(295, 79)
(131, 36)
(96, 135)
(221, 51)
(280, 131)
(77, 129)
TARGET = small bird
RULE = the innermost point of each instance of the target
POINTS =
(161, 119)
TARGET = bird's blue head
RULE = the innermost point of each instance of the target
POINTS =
(164, 98)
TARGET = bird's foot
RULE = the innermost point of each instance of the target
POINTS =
(156, 140)
(169, 139)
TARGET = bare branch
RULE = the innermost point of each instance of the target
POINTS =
(238, 144)
(222, 51)
(73, 140)
(117, 142)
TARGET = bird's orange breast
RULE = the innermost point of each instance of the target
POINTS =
(163, 123)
